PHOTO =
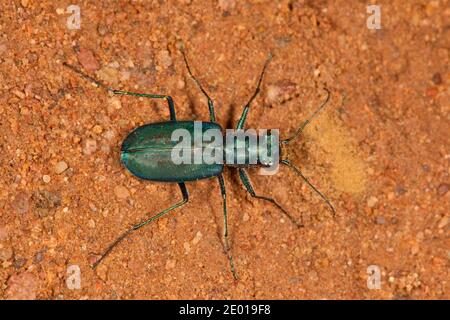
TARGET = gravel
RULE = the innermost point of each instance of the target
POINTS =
(88, 60)
(443, 189)
(22, 287)
(121, 192)
(20, 203)
(90, 146)
(60, 167)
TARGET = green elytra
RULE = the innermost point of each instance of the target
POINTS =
(146, 154)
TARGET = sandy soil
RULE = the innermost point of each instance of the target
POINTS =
(380, 151)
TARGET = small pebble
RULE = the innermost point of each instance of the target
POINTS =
(105, 148)
(2, 48)
(273, 92)
(19, 94)
(125, 75)
(6, 254)
(187, 247)
(61, 167)
(437, 79)
(19, 262)
(399, 190)
(46, 178)
(115, 103)
(197, 238)
(44, 199)
(102, 30)
(39, 257)
(22, 287)
(443, 222)
(280, 92)
(91, 224)
(443, 189)
(432, 92)
(170, 264)
(164, 59)
(380, 220)
(109, 135)
(87, 60)
(21, 203)
(109, 75)
(121, 192)
(97, 129)
(372, 201)
(3, 233)
(227, 5)
(92, 207)
(181, 84)
(90, 146)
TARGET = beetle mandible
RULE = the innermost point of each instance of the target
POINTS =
(146, 152)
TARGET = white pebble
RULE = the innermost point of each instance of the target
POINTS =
(197, 238)
(61, 167)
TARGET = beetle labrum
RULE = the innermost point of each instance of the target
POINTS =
(146, 154)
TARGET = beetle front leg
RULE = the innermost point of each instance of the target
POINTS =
(185, 194)
(241, 122)
(246, 181)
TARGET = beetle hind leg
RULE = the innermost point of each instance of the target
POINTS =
(185, 194)
(152, 96)
(128, 93)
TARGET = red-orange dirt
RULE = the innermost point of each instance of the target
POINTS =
(379, 151)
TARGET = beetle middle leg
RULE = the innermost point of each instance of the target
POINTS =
(185, 194)
(225, 225)
(246, 181)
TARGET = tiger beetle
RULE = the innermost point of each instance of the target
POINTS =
(146, 153)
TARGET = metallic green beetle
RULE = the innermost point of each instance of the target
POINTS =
(146, 153)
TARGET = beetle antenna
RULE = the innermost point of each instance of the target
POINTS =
(300, 129)
(87, 77)
(299, 173)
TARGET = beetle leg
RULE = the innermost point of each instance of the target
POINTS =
(185, 194)
(135, 94)
(212, 115)
(246, 181)
(299, 173)
(153, 96)
(225, 225)
(241, 122)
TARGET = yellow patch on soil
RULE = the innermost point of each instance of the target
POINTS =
(348, 171)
